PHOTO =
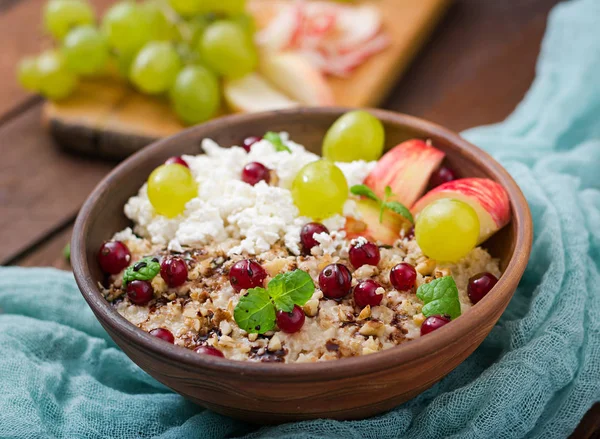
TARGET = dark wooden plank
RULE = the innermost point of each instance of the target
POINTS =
(41, 186)
(49, 253)
(478, 64)
(589, 427)
(22, 34)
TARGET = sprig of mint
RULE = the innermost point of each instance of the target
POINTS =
(394, 206)
(255, 312)
(440, 297)
(275, 139)
(145, 269)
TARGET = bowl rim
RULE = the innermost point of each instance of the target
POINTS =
(325, 370)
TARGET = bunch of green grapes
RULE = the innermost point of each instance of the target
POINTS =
(176, 48)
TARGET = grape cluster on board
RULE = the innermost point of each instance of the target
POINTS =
(177, 48)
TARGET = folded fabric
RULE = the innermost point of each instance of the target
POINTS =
(536, 374)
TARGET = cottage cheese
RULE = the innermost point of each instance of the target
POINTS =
(226, 207)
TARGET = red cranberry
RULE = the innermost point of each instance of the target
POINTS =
(480, 285)
(254, 172)
(432, 323)
(335, 281)
(365, 293)
(113, 257)
(163, 334)
(443, 175)
(403, 276)
(174, 271)
(246, 274)
(364, 254)
(249, 141)
(291, 322)
(140, 292)
(209, 350)
(306, 235)
(176, 161)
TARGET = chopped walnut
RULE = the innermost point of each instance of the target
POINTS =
(365, 313)
(311, 307)
(225, 327)
(372, 328)
(426, 267)
(274, 344)
(418, 319)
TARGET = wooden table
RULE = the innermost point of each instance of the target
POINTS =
(476, 68)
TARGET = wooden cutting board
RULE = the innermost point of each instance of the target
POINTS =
(107, 118)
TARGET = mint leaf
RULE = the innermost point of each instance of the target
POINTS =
(400, 209)
(365, 191)
(440, 297)
(275, 139)
(255, 313)
(388, 193)
(144, 269)
(291, 288)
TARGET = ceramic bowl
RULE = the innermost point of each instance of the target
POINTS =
(269, 393)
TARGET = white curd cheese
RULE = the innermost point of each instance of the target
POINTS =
(226, 207)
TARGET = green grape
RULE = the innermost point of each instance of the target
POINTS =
(187, 54)
(170, 187)
(356, 135)
(246, 21)
(60, 16)
(123, 63)
(127, 27)
(85, 50)
(196, 27)
(187, 8)
(228, 50)
(195, 96)
(228, 7)
(155, 67)
(56, 80)
(320, 190)
(162, 28)
(447, 230)
(28, 74)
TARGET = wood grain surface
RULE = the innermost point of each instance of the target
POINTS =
(475, 69)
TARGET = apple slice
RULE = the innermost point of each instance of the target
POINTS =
(296, 77)
(488, 198)
(406, 168)
(386, 232)
(253, 93)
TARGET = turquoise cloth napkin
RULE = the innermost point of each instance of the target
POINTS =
(535, 375)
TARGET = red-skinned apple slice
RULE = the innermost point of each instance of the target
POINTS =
(488, 198)
(406, 168)
(296, 77)
(386, 232)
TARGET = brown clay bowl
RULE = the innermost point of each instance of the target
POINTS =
(269, 393)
